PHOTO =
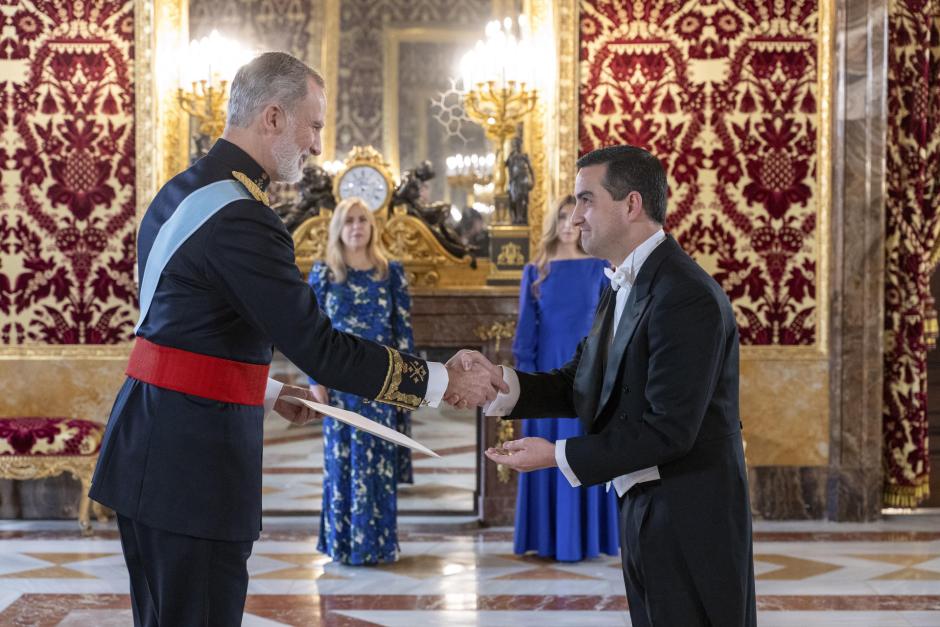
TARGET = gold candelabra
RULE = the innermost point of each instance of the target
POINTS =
(499, 110)
(206, 102)
(208, 65)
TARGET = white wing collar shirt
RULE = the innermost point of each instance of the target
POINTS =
(621, 280)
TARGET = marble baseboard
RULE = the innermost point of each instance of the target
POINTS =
(815, 493)
(53, 498)
(855, 494)
(499, 510)
(788, 492)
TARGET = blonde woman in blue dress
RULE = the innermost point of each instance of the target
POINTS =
(365, 294)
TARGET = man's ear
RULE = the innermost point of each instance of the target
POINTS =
(634, 205)
(273, 118)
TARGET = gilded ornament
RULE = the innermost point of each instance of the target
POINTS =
(510, 254)
(498, 331)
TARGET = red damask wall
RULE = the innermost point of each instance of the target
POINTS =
(725, 94)
(912, 231)
(67, 224)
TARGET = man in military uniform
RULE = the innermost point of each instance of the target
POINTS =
(181, 457)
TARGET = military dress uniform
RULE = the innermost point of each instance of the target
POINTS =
(181, 457)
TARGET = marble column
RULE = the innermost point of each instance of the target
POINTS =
(858, 233)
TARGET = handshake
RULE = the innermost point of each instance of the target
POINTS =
(472, 380)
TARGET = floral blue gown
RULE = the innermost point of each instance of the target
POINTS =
(552, 518)
(361, 471)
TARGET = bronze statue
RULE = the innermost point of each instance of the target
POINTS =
(521, 181)
(316, 194)
(412, 192)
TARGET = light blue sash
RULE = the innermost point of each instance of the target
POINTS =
(191, 214)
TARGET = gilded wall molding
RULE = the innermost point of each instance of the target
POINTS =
(566, 91)
(825, 129)
(70, 352)
(171, 33)
(145, 124)
(539, 145)
(329, 60)
(162, 132)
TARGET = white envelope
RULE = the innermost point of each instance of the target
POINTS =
(362, 423)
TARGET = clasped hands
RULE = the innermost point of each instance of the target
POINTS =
(472, 380)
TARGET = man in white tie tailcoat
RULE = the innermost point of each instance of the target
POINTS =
(655, 383)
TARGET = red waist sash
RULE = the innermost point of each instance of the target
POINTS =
(220, 379)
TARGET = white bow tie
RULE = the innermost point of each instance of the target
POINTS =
(618, 278)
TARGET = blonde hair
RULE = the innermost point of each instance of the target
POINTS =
(335, 249)
(548, 247)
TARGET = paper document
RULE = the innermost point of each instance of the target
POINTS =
(362, 423)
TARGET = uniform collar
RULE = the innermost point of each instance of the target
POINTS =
(240, 161)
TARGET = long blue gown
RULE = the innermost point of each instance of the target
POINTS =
(552, 518)
(361, 471)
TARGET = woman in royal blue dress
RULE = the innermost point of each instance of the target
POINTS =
(365, 294)
(559, 293)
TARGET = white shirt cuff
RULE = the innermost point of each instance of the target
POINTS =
(503, 403)
(437, 383)
(271, 391)
(563, 466)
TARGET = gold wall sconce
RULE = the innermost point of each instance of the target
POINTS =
(208, 66)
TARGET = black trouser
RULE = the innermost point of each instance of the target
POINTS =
(178, 581)
(660, 590)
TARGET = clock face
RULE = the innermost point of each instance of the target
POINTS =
(365, 182)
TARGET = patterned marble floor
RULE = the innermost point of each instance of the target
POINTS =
(293, 465)
(293, 460)
(808, 574)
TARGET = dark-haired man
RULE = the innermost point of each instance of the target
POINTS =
(656, 385)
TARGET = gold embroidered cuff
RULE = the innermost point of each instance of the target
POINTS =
(405, 381)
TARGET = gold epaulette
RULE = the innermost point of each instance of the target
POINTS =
(252, 187)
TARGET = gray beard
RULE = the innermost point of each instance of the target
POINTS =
(287, 161)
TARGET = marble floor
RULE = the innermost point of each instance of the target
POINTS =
(455, 573)
(293, 466)
(293, 460)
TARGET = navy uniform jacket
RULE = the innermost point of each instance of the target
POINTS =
(192, 465)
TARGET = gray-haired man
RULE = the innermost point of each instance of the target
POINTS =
(181, 458)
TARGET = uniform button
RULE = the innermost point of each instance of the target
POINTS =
(623, 416)
(626, 389)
